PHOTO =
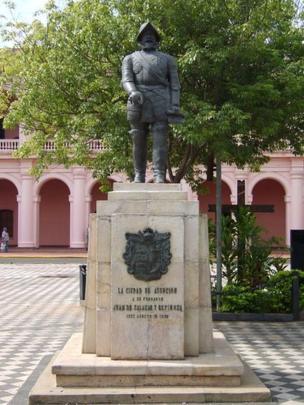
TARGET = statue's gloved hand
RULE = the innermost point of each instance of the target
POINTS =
(173, 109)
(136, 97)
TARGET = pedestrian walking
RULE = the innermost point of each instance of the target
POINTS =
(4, 240)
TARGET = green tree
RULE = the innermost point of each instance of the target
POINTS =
(9, 74)
(241, 67)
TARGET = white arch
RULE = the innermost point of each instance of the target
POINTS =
(51, 176)
(254, 180)
(229, 182)
(90, 187)
(36, 197)
(12, 179)
(92, 182)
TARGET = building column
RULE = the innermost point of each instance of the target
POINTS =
(192, 195)
(296, 200)
(88, 201)
(233, 193)
(36, 221)
(287, 200)
(22, 136)
(233, 199)
(78, 211)
(249, 199)
(25, 213)
(19, 216)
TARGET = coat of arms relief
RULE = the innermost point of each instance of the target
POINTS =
(147, 254)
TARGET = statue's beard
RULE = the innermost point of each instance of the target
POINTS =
(148, 45)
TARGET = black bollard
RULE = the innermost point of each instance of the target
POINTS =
(295, 298)
(82, 281)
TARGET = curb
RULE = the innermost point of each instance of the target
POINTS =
(252, 317)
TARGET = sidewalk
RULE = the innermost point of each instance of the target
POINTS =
(26, 255)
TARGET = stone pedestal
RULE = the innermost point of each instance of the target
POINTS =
(159, 319)
(148, 321)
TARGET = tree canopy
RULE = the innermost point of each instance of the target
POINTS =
(241, 66)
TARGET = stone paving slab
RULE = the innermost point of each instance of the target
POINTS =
(275, 351)
(40, 311)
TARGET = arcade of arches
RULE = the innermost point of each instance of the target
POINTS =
(265, 192)
(52, 212)
(55, 211)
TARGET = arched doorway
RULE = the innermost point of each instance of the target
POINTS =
(9, 209)
(265, 192)
(54, 214)
(206, 197)
(97, 195)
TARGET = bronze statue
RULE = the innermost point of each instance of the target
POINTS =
(151, 80)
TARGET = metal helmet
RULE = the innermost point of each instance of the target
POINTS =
(144, 27)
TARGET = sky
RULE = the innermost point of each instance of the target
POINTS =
(25, 9)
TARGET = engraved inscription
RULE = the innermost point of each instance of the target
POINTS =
(148, 302)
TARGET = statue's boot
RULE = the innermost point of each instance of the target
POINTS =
(159, 177)
(139, 154)
(139, 177)
(160, 151)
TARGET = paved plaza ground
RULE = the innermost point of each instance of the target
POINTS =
(40, 310)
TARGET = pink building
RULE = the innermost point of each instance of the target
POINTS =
(54, 210)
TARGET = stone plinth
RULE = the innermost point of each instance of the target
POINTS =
(168, 318)
(148, 323)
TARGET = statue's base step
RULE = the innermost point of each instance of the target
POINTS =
(74, 378)
(46, 392)
(219, 368)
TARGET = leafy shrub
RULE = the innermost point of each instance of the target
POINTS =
(242, 299)
(280, 285)
(275, 297)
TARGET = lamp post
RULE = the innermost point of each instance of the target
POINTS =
(218, 233)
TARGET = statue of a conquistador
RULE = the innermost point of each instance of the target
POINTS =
(151, 80)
